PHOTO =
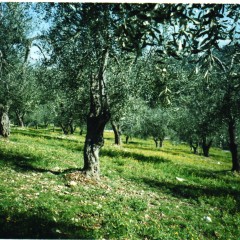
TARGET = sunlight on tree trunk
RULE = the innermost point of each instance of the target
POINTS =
(4, 121)
(20, 119)
(117, 133)
(97, 119)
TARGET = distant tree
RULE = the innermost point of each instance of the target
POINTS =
(14, 52)
(24, 94)
(123, 87)
(42, 115)
(154, 124)
(226, 79)
(183, 124)
(132, 117)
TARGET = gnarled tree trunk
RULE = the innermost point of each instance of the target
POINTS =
(117, 133)
(4, 121)
(233, 145)
(97, 119)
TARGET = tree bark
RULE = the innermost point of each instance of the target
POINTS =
(98, 117)
(65, 129)
(117, 133)
(206, 146)
(156, 142)
(4, 121)
(93, 143)
(194, 147)
(233, 145)
(161, 143)
(72, 127)
(19, 119)
(127, 139)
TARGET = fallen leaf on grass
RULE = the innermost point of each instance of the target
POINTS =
(72, 183)
(180, 179)
(207, 219)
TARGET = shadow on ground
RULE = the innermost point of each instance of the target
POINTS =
(45, 136)
(136, 156)
(38, 224)
(23, 163)
(194, 192)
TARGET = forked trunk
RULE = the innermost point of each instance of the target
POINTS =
(97, 119)
(117, 133)
(233, 145)
(156, 142)
(4, 121)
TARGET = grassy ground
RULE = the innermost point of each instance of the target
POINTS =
(144, 192)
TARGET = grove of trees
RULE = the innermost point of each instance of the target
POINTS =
(149, 70)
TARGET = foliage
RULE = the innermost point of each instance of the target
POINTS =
(154, 123)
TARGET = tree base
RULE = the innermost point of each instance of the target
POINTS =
(81, 177)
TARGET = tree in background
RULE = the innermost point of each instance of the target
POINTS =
(154, 124)
(130, 121)
(19, 90)
(226, 79)
(124, 83)
(14, 51)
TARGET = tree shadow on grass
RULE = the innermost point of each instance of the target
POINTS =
(194, 192)
(136, 156)
(45, 136)
(23, 163)
(177, 152)
(186, 171)
(39, 225)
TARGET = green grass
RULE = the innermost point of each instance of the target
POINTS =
(139, 195)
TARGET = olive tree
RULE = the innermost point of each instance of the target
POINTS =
(12, 56)
(99, 32)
